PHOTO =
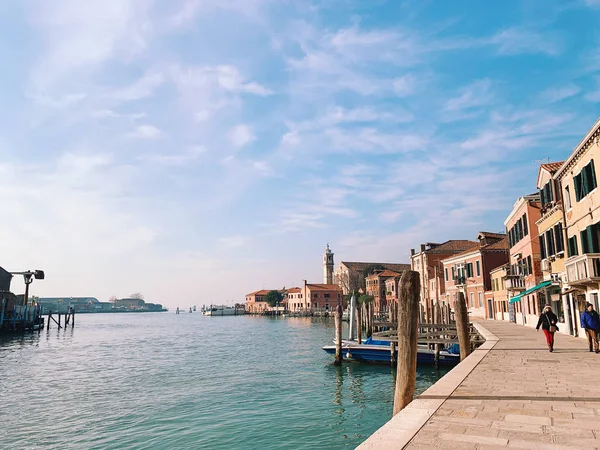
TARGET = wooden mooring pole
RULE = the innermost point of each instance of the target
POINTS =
(462, 325)
(338, 335)
(408, 333)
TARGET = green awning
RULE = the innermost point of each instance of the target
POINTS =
(542, 285)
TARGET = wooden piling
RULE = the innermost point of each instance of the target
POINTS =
(73, 318)
(49, 318)
(59, 320)
(338, 335)
(359, 324)
(408, 333)
(393, 352)
(462, 325)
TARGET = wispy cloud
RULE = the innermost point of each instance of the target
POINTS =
(514, 41)
(145, 132)
(241, 135)
(561, 93)
(478, 93)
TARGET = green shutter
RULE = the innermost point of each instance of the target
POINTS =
(591, 176)
(577, 184)
(584, 241)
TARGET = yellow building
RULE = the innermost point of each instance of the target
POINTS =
(552, 245)
(500, 294)
(581, 198)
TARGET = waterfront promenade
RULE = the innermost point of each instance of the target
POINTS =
(510, 393)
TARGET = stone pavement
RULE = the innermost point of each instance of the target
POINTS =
(520, 396)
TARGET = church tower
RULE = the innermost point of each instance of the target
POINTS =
(328, 266)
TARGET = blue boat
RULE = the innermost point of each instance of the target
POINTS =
(376, 351)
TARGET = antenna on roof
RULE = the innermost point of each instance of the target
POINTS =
(542, 161)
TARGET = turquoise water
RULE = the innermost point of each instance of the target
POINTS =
(166, 381)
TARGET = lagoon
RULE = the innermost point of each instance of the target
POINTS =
(167, 381)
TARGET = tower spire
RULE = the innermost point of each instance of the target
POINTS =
(328, 266)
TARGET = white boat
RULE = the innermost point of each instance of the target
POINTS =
(223, 311)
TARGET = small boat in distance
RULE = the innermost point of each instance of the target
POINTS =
(223, 311)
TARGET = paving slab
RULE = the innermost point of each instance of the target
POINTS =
(510, 393)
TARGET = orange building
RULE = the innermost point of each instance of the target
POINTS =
(376, 286)
(255, 302)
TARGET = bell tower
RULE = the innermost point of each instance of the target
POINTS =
(328, 266)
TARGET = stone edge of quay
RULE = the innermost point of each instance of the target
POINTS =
(405, 425)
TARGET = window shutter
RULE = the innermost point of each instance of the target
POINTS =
(542, 247)
(592, 176)
(577, 184)
(543, 195)
(478, 266)
(584, 241)
(453, 273)
(529, 266)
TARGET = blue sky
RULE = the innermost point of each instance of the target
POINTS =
(196, 150)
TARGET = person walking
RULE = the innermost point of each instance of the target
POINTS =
(590, 321)
(548, 321)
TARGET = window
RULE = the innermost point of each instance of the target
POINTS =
(546, 194)
(469, 270)
(529, 266)
(472, 300)
(481, 299)
(477, 266)
(524, 220)
(550, 241)
(572, 244)
(590, 242)
(327, 295)
(453, 273)
(567, 197)
(543, 253)
(585, 181)
(446, 273)
(558, 238)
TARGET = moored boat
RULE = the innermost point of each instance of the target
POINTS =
(223, 311)
(376, 351)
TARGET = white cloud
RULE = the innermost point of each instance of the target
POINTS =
(80, 36)
(142, 88)
(145, 132)
(241, 135)
(188, 155)
(561, 93)
(476, 94)
(514, 41)
(405, 85)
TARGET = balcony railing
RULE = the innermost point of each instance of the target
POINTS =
(515, 283)
(460, 281)
(583, 269)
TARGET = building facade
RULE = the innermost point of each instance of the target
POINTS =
(255, 302)
(577, 179)
(524, 276)
(552, 243)
(428, 263)
(349, 275)
(499, 294)
(376, 286)
(469, 272)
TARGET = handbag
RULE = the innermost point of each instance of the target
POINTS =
(552, 328)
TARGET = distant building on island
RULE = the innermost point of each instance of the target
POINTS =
(93, 305)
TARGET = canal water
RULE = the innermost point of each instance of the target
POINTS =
(167, 381)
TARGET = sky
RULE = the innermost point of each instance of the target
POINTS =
(198, 150)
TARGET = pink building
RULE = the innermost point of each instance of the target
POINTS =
(469, 272)
(524, 277)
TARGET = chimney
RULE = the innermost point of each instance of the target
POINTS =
(422, 247)
(412, 252)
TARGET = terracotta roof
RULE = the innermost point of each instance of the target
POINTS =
(454, 246)
(492, 235)
(500, 245)
(360, 266)
(385, 273)
(261, 292)
(324, 287)
(553, 166)
(294, 290)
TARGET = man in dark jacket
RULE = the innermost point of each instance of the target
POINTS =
(590, 321)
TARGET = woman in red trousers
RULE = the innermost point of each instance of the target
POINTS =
(548, 322)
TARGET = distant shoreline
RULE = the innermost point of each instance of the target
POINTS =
(45, 313)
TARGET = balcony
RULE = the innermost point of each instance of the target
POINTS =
(583, 270)
(515, 283)
(460, 281)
